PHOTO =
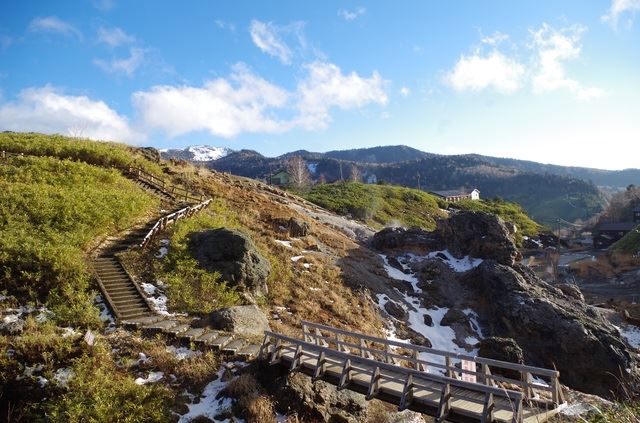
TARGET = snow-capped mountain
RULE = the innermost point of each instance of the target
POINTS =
(196, 153)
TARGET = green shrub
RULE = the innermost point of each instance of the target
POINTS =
(378, 205)
(51, 211)
(191, 288)
(630, 243)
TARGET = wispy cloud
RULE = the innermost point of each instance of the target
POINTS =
(543, 68)
(405, 91)
(104, 5)
(350, 15)
(53, 24)
(621, 8)
(247, 103)
(114, 37)
(229, 26)
(267, 37)
(126, 66)
(47, 109)
(552, 48)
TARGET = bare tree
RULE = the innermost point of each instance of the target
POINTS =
(297, 169)
(354, 173)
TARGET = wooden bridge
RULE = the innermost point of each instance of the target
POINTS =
(449, 386)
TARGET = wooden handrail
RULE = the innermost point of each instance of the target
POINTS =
(488, 377)
(172, 218)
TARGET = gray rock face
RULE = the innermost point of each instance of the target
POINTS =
(480, 235)
(503, 349)
(234, 255)
(571, 290)
(298, 228)
(321, 401)
(552, 329)
(408, 240)
(246, 320)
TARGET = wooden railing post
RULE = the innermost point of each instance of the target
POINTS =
(445, 403)
(320, 367)
(345, 377)
(449, 365)
(407, 393)
(488, 409)
(528, 389)
(374, 384)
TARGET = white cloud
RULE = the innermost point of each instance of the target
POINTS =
(104, 5)
(552, 48)
(544, 71)
(405, 91)
(47, 110)
(126, 66)
(267, 37)
(114, 37)
(245, 102)
(326, 87)
(350, 15)
(619, 8)
(55, 25)
(222, 107)
(477, 72)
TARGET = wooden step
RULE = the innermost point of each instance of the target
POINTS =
(119, 287)
(123, 295)
(136, 322)
(130, 301)
(192, 333)
(134, 315)
(161, 325)
(234, 346)
(207, 336)
(175, 330)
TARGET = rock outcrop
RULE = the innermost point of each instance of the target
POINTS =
(414, 240)
(234, 255)
(479, 235)
(246, 320)
(552, 329)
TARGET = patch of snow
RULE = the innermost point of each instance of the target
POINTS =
(211, 403)
(148, 288)
(296, 258)
(577, 409)
(3, 297)
(284, 243)
(397, 274)
(42, 381)
(69, 331)
(62, 376)
(182, 353)
(313, 167)
(457, 265)
(471, 340)
(105, 314)
(473, 319)
(160, 304)
(539, 382)
(307, 265)
(12, 318)
(143, 359)
(162, 252)
(164, 242)
(631, 334)
(152, 378)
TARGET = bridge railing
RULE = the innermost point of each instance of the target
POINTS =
(275, 345)
(172, 218)
(161, 184)
(533, 381)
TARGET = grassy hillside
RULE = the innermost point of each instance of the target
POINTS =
(104, 154)
(51, 211)
(630, 243)
(380, 205)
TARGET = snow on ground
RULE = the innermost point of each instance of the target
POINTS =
(182, 353)
(152, 378)
(209, 405)
(148, 288)
(457, 265)
(284, 243)
(162, 252)
(296, 258)
(630, 333)
(204, 153)
(157, 298)
(105, 314)
(400, 275)
(62, 376)
(313, 167)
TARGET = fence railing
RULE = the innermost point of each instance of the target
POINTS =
(178, 193)
(533, 381)
(172, 218)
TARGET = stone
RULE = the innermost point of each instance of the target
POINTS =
(452, 316)
(11, 325)
(408, 240)
(503, 349)
(395, 310)
(246, 320)
(571, 290)
(428, 320)
(298, 228)
(234, 255)
(480, 235)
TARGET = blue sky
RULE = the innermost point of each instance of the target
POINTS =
(551, 81)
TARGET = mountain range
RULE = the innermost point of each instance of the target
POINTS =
(549, 193)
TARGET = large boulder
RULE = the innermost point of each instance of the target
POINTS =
(298, 228)
(479, 234)
(553, 329)
(234, 255)
(502, 349)
(246, 320)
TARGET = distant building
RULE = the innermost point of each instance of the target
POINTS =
(371, 179)
(606, 234)
(636, 214)
(457, 195)
(281, 178)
